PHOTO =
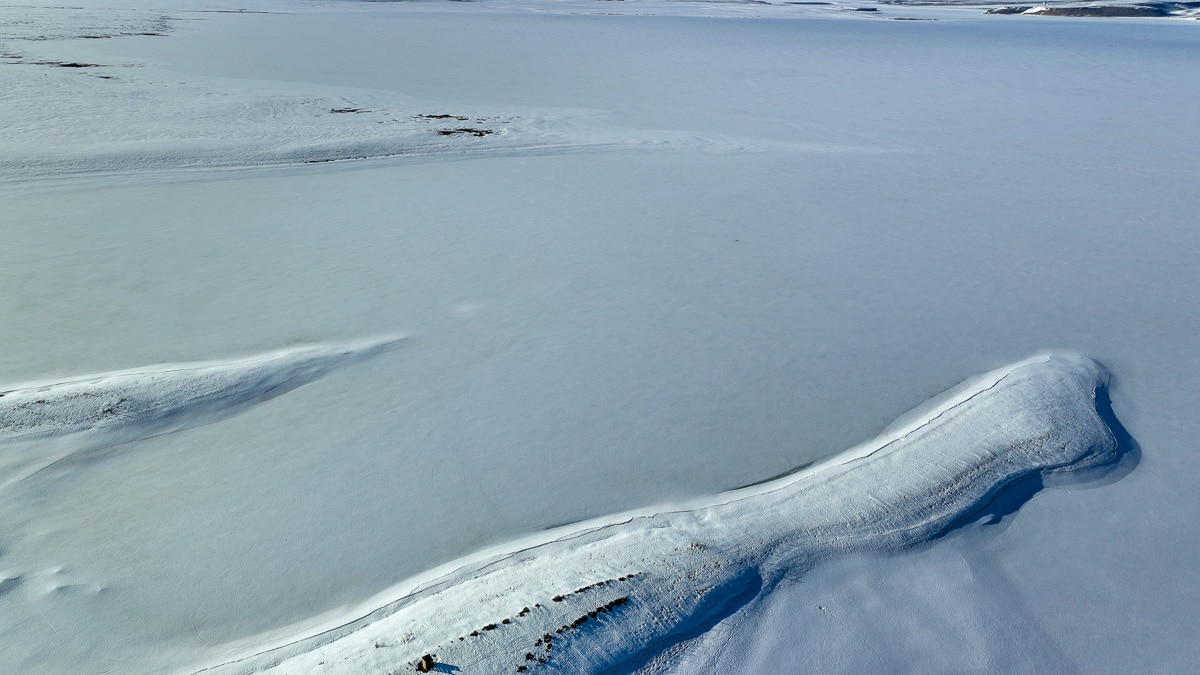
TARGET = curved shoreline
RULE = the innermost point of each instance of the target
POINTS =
(647, 579)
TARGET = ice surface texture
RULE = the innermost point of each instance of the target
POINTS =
(613, 593)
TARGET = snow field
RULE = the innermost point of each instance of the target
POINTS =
(600, 330)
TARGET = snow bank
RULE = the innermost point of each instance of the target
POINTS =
(110, 408)
(615, 592)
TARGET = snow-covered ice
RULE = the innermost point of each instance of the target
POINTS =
(173, 123)
(674, 248)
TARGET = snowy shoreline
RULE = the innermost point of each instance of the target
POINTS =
(57, 114)
(652, 577)
(56, 125)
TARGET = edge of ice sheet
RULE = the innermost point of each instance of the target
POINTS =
(105, 409)
(613, 592)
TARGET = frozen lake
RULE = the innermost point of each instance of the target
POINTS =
(860, 214)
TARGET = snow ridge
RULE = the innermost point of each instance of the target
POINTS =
(106, 409)
(614, 592)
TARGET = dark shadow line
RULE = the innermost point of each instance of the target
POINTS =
(1009, 498)
(719, 607)
(1128, 457)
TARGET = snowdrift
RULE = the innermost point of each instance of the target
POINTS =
(614, 592)
(106, 409)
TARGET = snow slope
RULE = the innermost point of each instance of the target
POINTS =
(613, 593)
(98, 411)
(601, 330)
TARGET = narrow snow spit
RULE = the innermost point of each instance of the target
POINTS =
(614, 592)
(117, 407)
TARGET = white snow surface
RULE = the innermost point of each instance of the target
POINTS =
(172, 123)
(705, 243)
(614, 593)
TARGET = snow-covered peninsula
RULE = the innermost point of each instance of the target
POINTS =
(618, 592)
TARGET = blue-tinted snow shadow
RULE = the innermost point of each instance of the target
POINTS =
(716, 608)
(1008, 499)
(991, 516)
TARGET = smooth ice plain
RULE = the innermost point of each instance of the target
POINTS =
(699, 246)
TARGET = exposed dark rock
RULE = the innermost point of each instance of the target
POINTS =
(69, 64)
(473, 131)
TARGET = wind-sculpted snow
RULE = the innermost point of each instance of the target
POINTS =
(613, 593)
(117, 407)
